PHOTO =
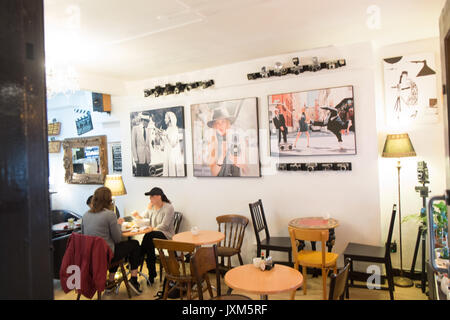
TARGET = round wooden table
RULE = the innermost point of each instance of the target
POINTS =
(203, 237)
(250, 279)
(314, 223)
(317, 223)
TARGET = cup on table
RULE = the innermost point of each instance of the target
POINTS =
(71, 223)
(257, 262)
(194, 230)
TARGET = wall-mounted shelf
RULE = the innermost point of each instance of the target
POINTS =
(315, 166)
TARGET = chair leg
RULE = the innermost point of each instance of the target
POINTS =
(324, 282)
(99, 295)
(78, 296)
(347, 293)
(305, 276)
(166, 290)
(124, 277)
(390, 279)
(188, 294)
(160, 271)
(240, 259)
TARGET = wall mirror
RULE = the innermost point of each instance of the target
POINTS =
(85, 160)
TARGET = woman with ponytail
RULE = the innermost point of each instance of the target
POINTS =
(161, 214)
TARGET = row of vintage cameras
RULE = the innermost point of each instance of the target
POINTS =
(336, 166)
(177, 88)
(279, 70)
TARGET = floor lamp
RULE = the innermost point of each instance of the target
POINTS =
(115, 184)
(399, 146)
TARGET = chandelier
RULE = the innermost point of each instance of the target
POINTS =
(61, 79)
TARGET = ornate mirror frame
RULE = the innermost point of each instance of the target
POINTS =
(69, 144)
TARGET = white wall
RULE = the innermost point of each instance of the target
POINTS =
(428, 142)
(361, 199)
(60, 107)
(351, 197)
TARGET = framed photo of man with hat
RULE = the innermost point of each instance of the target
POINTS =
(158, 143)
(225, 138)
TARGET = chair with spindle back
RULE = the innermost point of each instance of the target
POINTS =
(233, 226)
(268, 243)
(172, 255)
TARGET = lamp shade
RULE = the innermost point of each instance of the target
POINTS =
(115, 184)
(397, 146)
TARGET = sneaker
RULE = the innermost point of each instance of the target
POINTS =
(134, 285)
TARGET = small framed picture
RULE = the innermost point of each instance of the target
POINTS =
(54, 146)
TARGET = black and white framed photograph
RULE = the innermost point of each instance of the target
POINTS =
(313, 123)
(225, 138)
(158, 142)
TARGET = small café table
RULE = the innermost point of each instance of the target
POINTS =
(251, 279)
(317, 223)
(204, 237)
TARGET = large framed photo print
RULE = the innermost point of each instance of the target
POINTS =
(158, 142)
(312, 123)
(225, 138)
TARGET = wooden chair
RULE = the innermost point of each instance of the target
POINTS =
(375, 254)
(178, 217)
(177, 223)
(175, 267)
(204, 260)
(339, 282)
(268, 243)
(314, 259)
(233, 226)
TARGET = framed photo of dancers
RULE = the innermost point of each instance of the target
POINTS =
(158, 142)
(225, 139)
(410, 89)
(312, 123)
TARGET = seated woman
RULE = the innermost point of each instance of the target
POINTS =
(89, 204)
(100, 221)
(161, 215)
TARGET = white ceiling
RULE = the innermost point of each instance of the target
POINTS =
(139, 39)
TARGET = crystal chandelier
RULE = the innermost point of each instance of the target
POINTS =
(61, 79)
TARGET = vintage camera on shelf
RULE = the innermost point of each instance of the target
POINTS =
(422, 172)
(311, 167)
(326, 166)
(207, 84)
(192, 85)
(282, 166)
(148, 92)
(158, 91)
(294, 166)
(179, 87)
(169, 89)
(343, 166)
(316, 65)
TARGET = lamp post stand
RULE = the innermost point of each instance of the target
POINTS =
(401, 281)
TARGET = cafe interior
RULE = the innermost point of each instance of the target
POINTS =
(251, 150)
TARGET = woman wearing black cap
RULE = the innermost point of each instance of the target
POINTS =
(161, 215)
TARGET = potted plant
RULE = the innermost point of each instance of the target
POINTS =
(440, 224)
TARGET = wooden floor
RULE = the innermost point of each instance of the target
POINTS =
(314, 292)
